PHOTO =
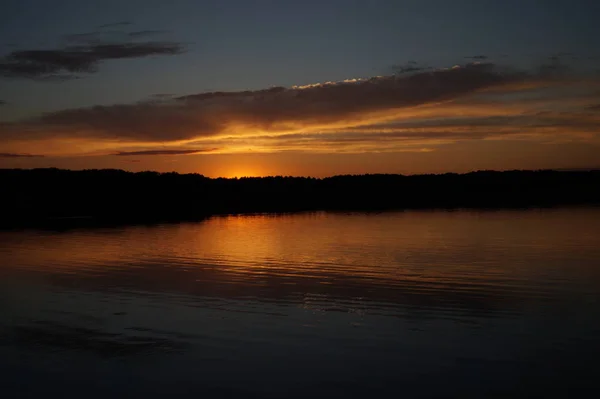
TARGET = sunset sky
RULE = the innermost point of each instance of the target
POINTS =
(278, 87)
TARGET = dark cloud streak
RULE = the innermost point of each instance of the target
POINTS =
(109, 36)
(69, 61)
(410, 67)
(163, 152)
(15, 155)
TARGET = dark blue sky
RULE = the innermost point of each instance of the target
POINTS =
(122, 52)
(242, 44)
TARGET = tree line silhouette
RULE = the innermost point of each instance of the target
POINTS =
(30, 196)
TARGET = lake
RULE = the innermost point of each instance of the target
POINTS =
(463, 304)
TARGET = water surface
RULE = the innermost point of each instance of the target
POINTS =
(405, 304)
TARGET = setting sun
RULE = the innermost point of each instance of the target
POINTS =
(245, 171)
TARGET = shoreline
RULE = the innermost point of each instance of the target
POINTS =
(91, 222)
(58, 197)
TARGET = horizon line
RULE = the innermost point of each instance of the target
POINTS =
(578, 169)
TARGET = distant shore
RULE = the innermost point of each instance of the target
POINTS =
(36, 197)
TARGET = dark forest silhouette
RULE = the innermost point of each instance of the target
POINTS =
(44, 195)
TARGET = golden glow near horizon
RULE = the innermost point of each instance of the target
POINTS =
(374, 116)
(247, 171)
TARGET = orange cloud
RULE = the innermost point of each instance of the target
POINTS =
(415, 112)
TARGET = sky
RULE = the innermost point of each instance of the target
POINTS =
(306, 88)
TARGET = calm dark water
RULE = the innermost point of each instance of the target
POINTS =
(410, 304)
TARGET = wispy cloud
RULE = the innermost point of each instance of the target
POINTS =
(82, 53)
(276, 109)
(164, 152)
(15, 155)
(401, 112)
(109, 36)
(409, 67)
(2, 102)
(69, 61)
